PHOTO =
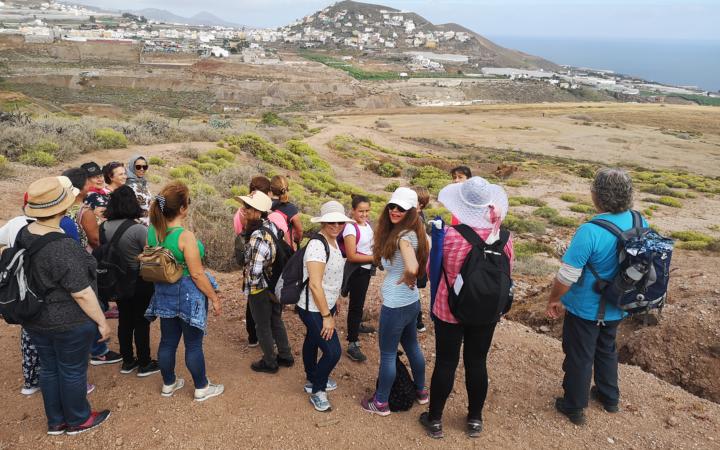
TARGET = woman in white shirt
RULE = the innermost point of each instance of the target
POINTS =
(323, 266)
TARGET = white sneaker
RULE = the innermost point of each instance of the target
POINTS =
(29, 391)
(212, 390)
(169, 389)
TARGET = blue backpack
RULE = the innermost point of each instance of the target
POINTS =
(641, 282)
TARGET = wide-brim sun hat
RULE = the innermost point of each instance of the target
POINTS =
(257, 200)
(476, 202)
(49, 196)
(405, 198)
(332, 211)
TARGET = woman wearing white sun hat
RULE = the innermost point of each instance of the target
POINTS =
(323, 266)
(481, 207)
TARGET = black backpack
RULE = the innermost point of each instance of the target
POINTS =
(291, 282)
(113, 278)
(20, 299)
(283, 253)
(485, 294)
(402, 393)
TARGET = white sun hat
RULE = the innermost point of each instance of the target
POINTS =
(405, 198)
(332, 211)
(258, 200)
(476, 203)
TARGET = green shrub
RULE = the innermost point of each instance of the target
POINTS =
(546, 212)
(561, 221)
(387, 170)
(523, 225)
(221, 153)
(529, 248)
(693, 245)
(272, 119)
(392, 186)
(156, 161)
(208, 168)
(185, 172)
(669, 201)
(647, 212)
(582, 208)
(238, 191)
(570, 198)
(232, 203)
(528, 201)
(661, 189)
(266, 151)
(156, 179)
(47, 147)
(109, 138)
(586, 171)
(687, 236)
(516, 183)
(5, 169)
(202, 189)
(432, 178)
(38, 158)
(311, 158)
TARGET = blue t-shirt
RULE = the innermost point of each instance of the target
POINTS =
(597, 246)
(70, 228)
(396, 295)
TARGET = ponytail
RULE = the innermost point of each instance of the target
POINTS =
(279, 187)
(166, 206)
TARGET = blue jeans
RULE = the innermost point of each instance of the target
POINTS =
(318, 372)
(399, 326)
(98, 348)
(63, 372)
(170, 332)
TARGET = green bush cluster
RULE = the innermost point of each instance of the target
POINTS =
(583, 208)
(237, 191)
(184, 172)
(221, 153)
(660, 189)
(272, 119)
(667, 201)
(516, 183)
(311, 157)
(109, 138)
(38, 158)
(266, 151)
(386, 169)
(527, 201)
(392, 186)
(529, 248)
(156, 161)
(47, 147)
(546, 212)
(686, 236)
(570, 198)
(5, 169)
(523, 225)
(677, 180)
(561, 221)
(431, 178)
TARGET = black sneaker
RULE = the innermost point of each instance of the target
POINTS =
(95, 419)
(421, 327)
(149, 369)
(262, 366)
(474, 428)
(285, 362)
(433, 427)
(110, 357)
(57, 430)
(607, 406)
(366, 329)
(576, 416)
(354, 353)
(129, 367)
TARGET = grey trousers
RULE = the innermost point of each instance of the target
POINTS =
(269, 327)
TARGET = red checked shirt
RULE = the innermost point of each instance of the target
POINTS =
(455, 250)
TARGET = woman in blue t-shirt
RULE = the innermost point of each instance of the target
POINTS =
(589, 340)
(400, 244)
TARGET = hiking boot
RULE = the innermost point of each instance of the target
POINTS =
(110, 357)
(375, 407)
(366, 329)
(95, 419)
(474, 428)
(320, 401)
(252, 344)
(212, 390)
(169, 389)
(285, 362)
(57, 430)
(607, 405)
(354, 352)
(29, 390)
(129, 367)
(422, 396)
(89, 388)
(149, 369)
(433, 427)
(262, 366)
(576, 416)
(330, 386)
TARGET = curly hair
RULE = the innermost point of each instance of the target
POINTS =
(613, 190)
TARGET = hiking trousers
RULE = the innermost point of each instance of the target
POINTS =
(589, 346)
(269, 327)
(358, 286)
(132, 324)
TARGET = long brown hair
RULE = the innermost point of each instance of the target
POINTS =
(387, 237)
(279, 186)
(166, 206)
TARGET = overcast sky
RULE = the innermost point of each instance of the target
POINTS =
(652, 19)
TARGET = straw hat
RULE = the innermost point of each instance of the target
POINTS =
(49, 196)
(257, 200)
(332, 211)
(476, 202)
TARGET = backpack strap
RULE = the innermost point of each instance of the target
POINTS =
(37, 245)
(611, 227)
(636, 220)
(306, 284)
(469, 235)
(127, 223)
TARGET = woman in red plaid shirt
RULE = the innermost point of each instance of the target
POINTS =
(482, 206)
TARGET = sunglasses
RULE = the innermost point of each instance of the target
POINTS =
(141, 167)
(399, 208)
(335, 223)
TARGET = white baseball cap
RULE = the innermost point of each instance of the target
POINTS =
(405, 198)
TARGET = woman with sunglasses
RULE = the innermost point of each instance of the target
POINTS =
(136, 171)
(402, 248)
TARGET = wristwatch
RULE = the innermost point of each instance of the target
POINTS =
(325, 316)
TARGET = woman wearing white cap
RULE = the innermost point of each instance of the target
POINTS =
(402, 247)
(480, 207)
(261, 252)
(323, 266)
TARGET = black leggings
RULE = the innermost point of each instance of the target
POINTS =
(448, 339)
(132, 323)
(358, 287)
(250, 324)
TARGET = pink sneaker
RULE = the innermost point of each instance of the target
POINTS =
(90, 388)
(375, 407)
(422, 396)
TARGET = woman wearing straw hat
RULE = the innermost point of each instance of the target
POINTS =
(482, 207)
(66, 327)
(261, 252)
(323, 266)
(402, 247)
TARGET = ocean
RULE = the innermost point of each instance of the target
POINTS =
(680, 62)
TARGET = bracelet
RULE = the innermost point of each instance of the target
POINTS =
(326, 316)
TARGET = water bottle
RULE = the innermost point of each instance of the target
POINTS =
(635, 272)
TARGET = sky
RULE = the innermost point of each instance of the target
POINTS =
(611, 19)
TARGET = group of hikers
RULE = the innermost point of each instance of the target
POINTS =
(89, 208)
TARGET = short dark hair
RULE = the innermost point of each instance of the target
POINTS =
(356, 199)
(465, 170)
(123, 204)
(107, 170)
(78, 177)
